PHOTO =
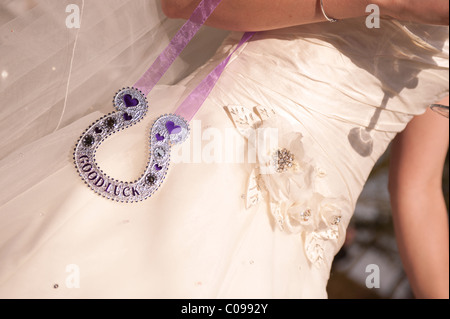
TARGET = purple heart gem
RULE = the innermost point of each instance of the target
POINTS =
(129, 101)
(127, 117)
(159, 137)
(172, 128)
(98, 130)
(158, 167)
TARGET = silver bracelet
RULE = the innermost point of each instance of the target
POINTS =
(324, 13)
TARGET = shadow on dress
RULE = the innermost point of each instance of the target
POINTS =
(394, 55)
(397, 69)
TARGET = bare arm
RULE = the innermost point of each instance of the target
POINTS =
(418, 207)
(258, 15)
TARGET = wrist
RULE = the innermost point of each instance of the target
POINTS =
(339, 9)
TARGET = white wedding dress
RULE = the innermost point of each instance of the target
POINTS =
(219, 227)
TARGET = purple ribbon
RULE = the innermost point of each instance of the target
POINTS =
(151, 77)
(195, 100)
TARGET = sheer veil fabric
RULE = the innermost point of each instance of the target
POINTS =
(218, 228)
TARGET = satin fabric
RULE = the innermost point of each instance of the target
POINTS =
(337, 93)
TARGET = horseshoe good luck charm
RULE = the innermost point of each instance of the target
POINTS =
(166, 131)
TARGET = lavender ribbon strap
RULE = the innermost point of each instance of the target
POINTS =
(176, 46)
(194, 101)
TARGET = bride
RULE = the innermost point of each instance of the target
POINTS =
(336, 93)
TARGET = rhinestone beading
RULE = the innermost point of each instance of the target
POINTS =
(283, 160)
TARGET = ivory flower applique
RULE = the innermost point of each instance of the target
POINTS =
(285, 177)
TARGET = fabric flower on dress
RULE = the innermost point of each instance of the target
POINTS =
(286, 177)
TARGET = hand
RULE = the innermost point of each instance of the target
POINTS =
(427, 12)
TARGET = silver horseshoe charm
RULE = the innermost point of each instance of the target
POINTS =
(167, 130)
